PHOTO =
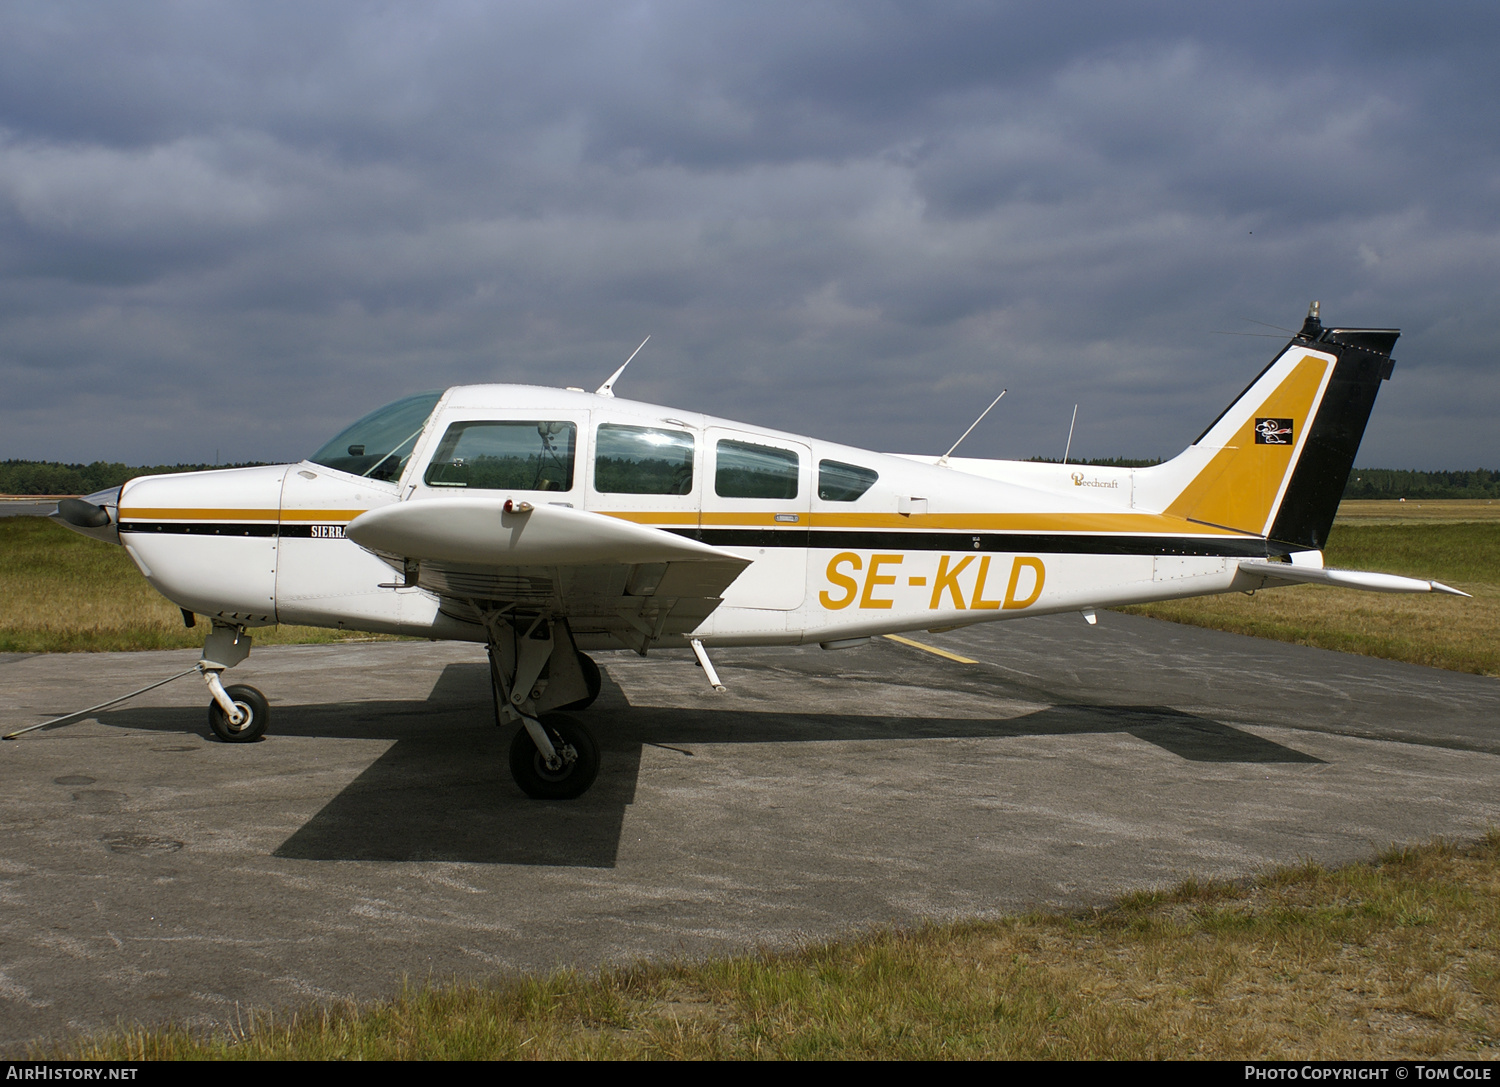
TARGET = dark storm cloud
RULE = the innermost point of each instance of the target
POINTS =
(235, 227)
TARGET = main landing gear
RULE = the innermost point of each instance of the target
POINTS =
(569, 774)
(535, 669)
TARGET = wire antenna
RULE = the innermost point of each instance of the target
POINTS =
(942, 462)
(608, 388)
(1267, 324)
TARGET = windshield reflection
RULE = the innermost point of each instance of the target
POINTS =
(379, 445)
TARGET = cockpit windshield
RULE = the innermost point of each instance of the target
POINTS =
(379, 445)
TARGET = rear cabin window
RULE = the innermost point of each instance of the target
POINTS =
(755, 471)
(529, 455)
(840, 482)
(642, 460)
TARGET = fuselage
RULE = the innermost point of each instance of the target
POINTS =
(843, 543)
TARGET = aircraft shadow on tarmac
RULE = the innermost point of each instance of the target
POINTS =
(442, 790)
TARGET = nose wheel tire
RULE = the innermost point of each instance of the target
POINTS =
(249, 702)
(579, 756)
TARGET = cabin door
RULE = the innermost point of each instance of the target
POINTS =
(757, 496)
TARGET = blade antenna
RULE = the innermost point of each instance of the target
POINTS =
(1069, 447)
(608, 388)
(942, 462)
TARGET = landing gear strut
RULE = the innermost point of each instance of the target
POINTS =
(535, 669)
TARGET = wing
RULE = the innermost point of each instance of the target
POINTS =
(606, 576)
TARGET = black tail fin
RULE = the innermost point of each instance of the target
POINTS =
(1312, 495)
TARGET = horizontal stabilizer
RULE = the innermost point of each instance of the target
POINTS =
(487, 533)
(1348, 579)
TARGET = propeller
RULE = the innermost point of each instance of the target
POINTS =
(81, 514)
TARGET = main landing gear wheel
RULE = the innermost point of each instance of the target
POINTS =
(249, 702)
(577, 750)
(592, 679)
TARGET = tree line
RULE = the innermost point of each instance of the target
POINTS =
(1395, 483)
(24, 477)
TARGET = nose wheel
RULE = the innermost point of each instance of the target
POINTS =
(254, 712)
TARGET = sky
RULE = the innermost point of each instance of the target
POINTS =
(229, 229)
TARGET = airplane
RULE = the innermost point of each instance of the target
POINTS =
(543, 523)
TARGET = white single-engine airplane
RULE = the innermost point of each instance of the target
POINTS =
(544, 522)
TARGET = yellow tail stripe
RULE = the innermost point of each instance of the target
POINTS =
(1238, 487)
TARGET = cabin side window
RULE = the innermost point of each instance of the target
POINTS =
(521, 455)
(840, 482)
(642, 460)
(745, 470)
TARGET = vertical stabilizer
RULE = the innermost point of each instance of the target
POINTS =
(1276, 461)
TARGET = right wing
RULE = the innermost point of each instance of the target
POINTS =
(605, 575)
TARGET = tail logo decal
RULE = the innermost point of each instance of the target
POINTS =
(1240, 486)
(1273, 432)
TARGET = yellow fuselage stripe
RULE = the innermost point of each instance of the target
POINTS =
(1133, 523)
(146, 513)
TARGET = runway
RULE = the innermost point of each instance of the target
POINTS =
(150, 873)
(11, 506)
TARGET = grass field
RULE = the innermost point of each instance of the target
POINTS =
(61, 592)
(1396, 959)
(1453, 542)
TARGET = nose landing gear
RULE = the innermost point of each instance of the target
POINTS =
(239, 714)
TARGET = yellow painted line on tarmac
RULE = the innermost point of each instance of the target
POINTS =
(931, 649)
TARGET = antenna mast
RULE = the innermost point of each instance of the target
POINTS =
(1069, 447)
(608, 388)
(942, 462)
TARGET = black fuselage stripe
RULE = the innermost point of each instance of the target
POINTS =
(1057, 543)
(1042, 543)
(202, 528)
(236, 528)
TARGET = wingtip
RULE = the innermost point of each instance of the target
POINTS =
(1439, 587)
